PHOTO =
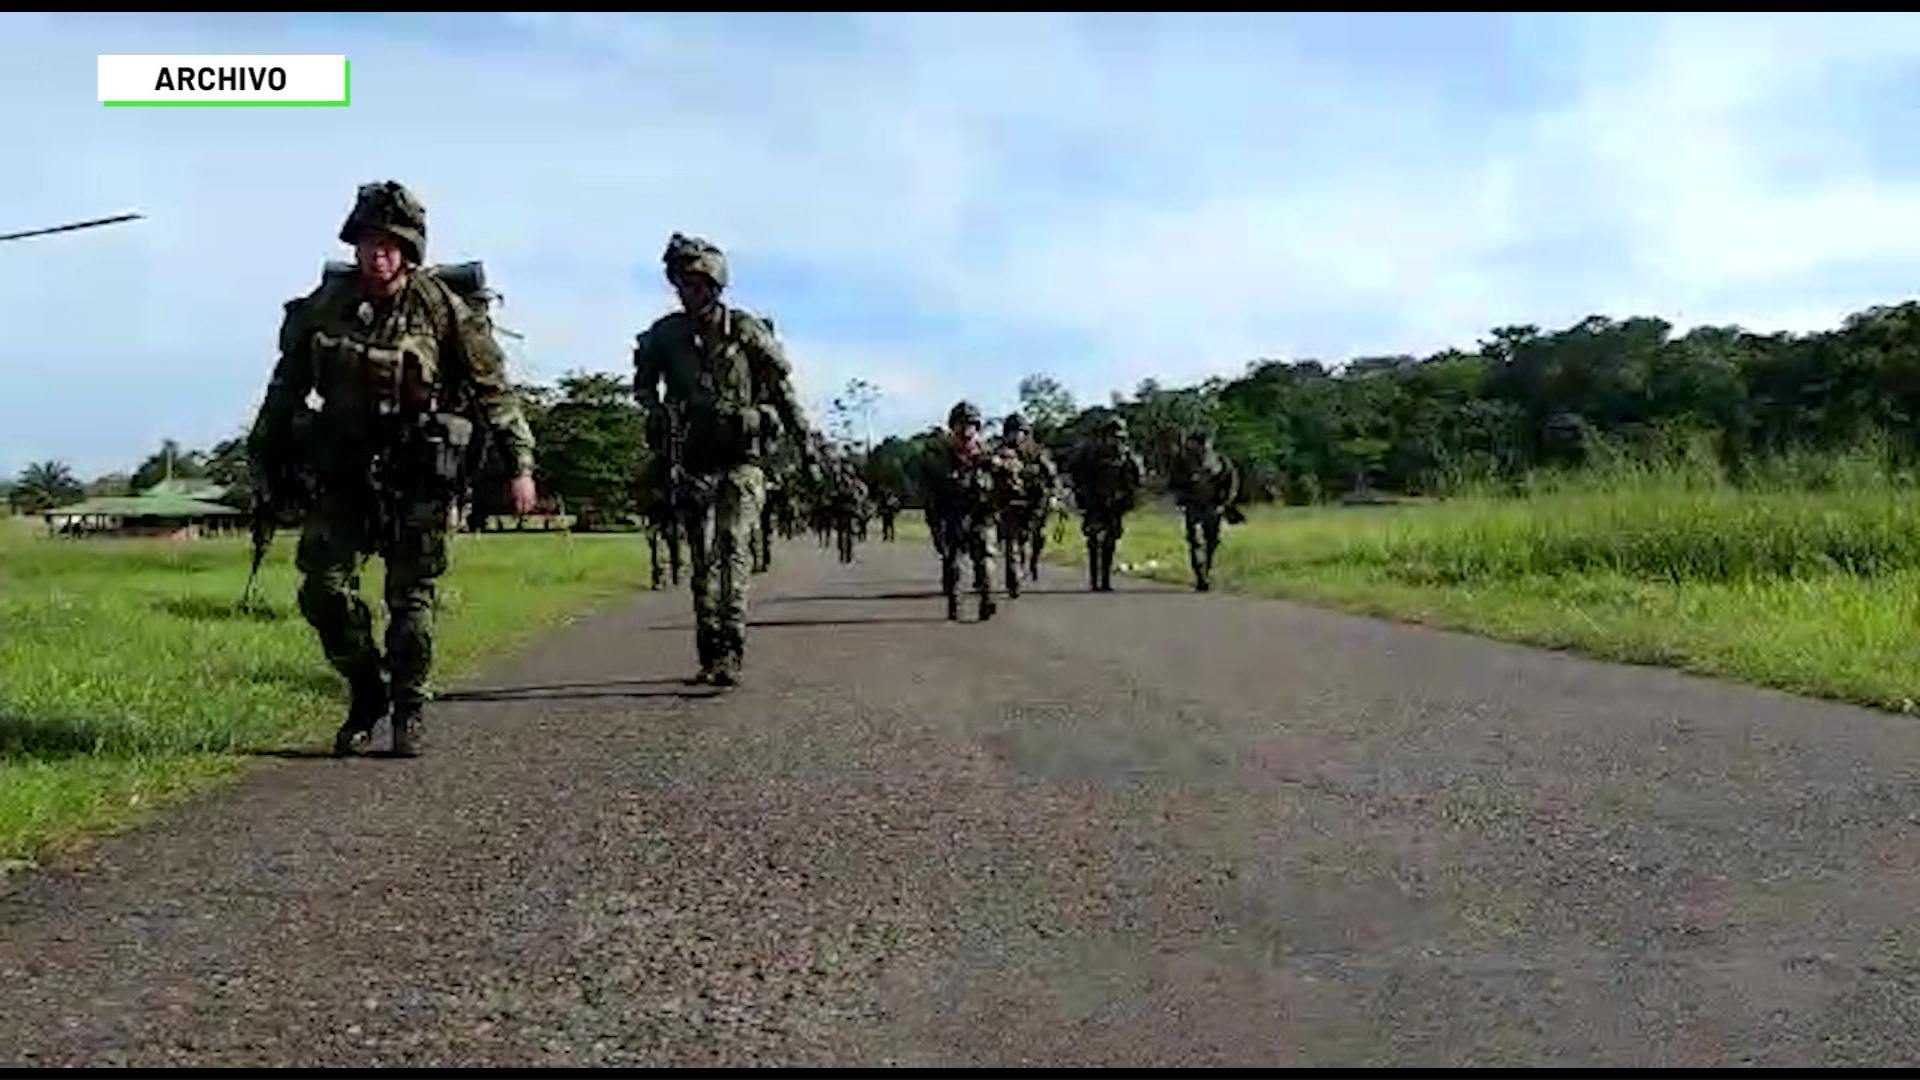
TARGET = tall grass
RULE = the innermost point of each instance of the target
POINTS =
(1800, 572)
(1677, 517)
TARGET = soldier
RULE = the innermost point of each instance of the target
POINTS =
(727, 381)
(846, 505)
(1106, 476)
(1023, 512)
(886, 506)
(1206, 485)
(961, 480)
(387, 348)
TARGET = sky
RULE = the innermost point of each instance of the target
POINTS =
(942, 204)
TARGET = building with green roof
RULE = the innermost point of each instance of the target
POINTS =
(173, 509)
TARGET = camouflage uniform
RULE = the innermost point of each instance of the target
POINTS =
(388, 371)
(846, 505)
(728, 389)
(1024, 509)
(886, 505)
(961, 484)
(1106, 476)
(1206, 485)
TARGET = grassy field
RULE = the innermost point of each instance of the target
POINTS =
(1806, 578)
(129, 677)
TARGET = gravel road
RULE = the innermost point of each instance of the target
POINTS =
(1144, 828)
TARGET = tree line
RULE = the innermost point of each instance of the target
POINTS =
(1305, 430)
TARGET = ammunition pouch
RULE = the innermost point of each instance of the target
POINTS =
(434, 452)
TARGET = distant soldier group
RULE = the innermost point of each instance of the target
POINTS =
(413, 387)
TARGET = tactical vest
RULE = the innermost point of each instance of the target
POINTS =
(425, 429)
(710, 383)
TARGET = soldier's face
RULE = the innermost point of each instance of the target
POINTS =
(696, 292)
(380, 259)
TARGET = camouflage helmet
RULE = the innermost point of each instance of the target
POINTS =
(693, 255)
(1014, 424)
(966, 412)
(388, 206)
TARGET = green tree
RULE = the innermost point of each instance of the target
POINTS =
(45, 485)
(590, 440)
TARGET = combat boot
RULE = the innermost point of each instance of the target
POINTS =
(703, 643)
(408, 738)
(953, 607)
(729, 658)
(367, 707)
(987, 606)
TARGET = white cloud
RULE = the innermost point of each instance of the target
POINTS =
(1107, 199)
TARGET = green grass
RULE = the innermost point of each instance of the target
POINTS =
(1804, 578)
(130, 678)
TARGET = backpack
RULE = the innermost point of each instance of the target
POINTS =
(468, 280)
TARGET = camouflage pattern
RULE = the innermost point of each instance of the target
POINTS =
(1105, 474)
(1026, 503)
(1206, 485)
(726, 378)
(386, 370)
(845, 505)
(963, 486)
(886, 506)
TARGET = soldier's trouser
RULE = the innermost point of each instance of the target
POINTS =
(763, 540)
(1036, 542)
(1103, 529)
(846, 530)
(957, 539)
(1203, 539)
(328, 558)
(719, 535)
(1015, 534)
(886, 527)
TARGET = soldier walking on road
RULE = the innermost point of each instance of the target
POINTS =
(1106, 476)
(1207, 486)
(391, 349)
(1024, 509)
(726, 379)
(962, 480)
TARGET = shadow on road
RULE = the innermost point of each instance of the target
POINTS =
(927, 594)
(775, 624)
(623, 688)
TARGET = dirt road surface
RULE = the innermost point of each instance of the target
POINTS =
(1144, 828)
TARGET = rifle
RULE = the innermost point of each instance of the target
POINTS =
(262, 526)
(283, 486)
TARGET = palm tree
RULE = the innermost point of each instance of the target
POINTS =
(44, 485)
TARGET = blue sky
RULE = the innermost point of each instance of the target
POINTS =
(942, 204)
